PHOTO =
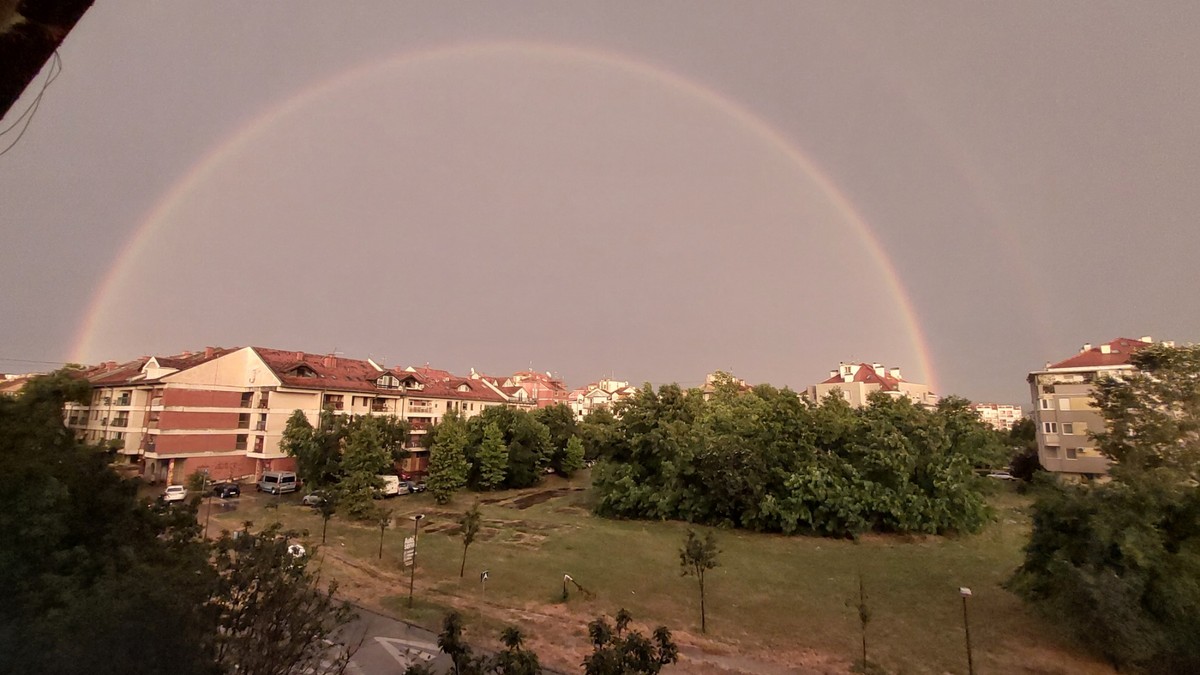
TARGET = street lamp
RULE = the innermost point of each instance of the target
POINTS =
(966, 593)
(412, 570)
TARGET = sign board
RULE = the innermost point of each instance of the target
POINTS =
(410, 550)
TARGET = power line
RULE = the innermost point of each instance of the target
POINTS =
(52, 74)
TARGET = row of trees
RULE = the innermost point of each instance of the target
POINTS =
(344, 456)
(765, 460)
(501, 448)
(94, 580)
(1119, 562)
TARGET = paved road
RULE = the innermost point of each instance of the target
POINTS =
(390, 646)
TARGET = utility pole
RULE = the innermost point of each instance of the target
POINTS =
(966, 593)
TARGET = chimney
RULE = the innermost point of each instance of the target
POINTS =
(186, 354)
(330, 361)
(895, 372)
(299, 356)
(110, 365)
(1086, 346)
(209, 351)
(878, 368)
(1146, 338)
(1105, 349)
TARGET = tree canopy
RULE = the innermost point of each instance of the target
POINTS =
(766, 460)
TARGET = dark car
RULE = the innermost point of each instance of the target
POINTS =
(227, 490)
(416, 487)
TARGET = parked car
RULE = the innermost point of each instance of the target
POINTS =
(313, 499)
(278, 482)
(174, 493)
(227, 490)
(416, 487)
(391, 485)
(1001, 475)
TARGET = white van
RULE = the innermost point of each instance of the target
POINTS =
(391, 485)
(278, 482)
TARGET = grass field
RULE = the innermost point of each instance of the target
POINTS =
(775, 604)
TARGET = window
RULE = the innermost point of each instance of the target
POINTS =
(1046, 404)
(1049, 427)
(246, 396)
(244, 421)
(387, 382)
(241, 442)
(1064, 404)
(1068, 428)
(1070, 453)
(1052, 450)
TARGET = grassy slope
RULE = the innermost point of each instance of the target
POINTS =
(775, 598)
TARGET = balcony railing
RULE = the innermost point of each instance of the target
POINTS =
(240, 445)
(418, 425)
(420, 409)
(124, 400)
(336, 405)
(261, 426)
(379, 407)
(121, 422)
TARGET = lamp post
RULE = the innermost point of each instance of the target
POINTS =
(412, 570)
(966, 593)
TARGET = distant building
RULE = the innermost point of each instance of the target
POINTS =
(857, 381)
(543, 389)
(600, 394)
(1065, 412)
(713, 380)
(999, 416)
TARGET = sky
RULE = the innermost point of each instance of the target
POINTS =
(648, 191)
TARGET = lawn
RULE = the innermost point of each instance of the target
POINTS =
(774, 602)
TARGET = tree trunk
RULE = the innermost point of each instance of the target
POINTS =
(463, 568)
(703, 625)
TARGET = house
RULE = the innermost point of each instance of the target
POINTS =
(857, 381)
(600, 394)
(1065, 411)
(543, 389)
(999, 416)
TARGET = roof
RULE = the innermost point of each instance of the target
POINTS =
(329, 371)
(1118, 353)
(866, 374)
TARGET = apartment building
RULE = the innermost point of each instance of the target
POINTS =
(999, 416)
(543, 389)
(223, 411)
(1065, 411)
(857, 381)
(600, 394)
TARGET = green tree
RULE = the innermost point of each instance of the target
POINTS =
(383, 518)
(561, 426)
(471, 522)
(619, 651)
(696, 557)
(369, 450)
(514, 659)
(493, 458)
(1022, 440)
(572, 460)
(318, 451)
(1119, 562)
(273, 615)
(448, 466)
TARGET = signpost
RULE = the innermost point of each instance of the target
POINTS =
(483, 577)
(410, 550)
(411, 559)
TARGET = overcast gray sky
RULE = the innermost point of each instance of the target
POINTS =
(647, 190)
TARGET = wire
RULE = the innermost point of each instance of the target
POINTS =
(52, 74)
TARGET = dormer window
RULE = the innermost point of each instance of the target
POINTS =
(302, 371)
(463, 387)
(387, 382)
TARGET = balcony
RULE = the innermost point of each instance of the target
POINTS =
(240, 445)
(418, 425)
(379, 407)
(121, 422)
(419, 409)
(336, 405)
(261, 426)
(124, 400)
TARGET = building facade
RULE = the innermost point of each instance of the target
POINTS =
(1065, 411)
(999, 416)
(857, 381)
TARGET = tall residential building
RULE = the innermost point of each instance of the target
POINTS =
(999, 416)
(1065, 411)
(857, 381)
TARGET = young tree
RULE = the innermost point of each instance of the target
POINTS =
(384, 519)
(368, 452)
(471, 521)
(572, 460)
(448, 466)
(615, 652)
(493, 458)
(561, 425)
(514, 659)
(318, 450)
(696, 557)
(327, 507)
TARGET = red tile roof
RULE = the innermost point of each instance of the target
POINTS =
(868, 375)
(1118, 354)
(329, 372)
(444, 384)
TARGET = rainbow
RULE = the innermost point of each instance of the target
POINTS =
(216, 157)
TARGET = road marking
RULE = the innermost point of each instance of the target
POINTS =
(408, 652)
